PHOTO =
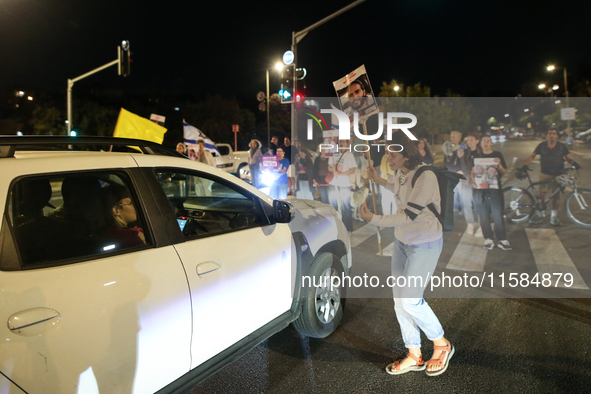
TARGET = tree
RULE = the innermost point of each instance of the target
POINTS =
(46, 119)
(94, 119)
(435, 115)
(215, 117)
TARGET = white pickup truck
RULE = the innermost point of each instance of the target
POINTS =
(233, 162)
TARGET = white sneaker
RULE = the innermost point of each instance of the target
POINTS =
(478, 233)
(504, 244)
(489, 244)
(470, 229)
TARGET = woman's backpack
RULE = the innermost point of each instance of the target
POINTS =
(447, 182)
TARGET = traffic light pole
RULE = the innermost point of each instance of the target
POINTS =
(296, 37)
(72, 81)
(71, 85)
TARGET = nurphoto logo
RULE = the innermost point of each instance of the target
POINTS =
(345, 124)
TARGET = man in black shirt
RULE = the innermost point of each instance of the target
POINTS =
(553, 153)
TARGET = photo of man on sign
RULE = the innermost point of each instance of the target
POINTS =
(356, 95)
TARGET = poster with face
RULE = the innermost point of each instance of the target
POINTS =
(356, 95)
(193, 151)
(486, 175)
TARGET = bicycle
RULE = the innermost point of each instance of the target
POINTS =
(520, 205)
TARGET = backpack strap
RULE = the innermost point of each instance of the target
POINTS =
(431, 206)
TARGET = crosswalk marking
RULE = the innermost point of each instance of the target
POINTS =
(551, 256)
(470, 255)
(363, 234)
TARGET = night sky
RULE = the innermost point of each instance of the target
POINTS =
(198, 48)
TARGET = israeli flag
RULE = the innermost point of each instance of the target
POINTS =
(192, 134)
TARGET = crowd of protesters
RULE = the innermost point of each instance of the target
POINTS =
(334, 178)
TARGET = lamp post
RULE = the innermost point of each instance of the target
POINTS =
(278, 67)
(552, 68)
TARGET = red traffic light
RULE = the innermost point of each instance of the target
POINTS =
(299, 98)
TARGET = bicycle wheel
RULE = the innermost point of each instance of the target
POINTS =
(578, 208)
(519, 204)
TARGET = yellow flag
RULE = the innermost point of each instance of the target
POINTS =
(130, 125)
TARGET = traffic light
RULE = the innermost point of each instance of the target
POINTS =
(287, 77)
(299, 98)
(124, 59)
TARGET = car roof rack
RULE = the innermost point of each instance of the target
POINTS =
(9, 144)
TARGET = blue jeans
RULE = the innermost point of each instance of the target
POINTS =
(466, 189)
(412, 311)
(342, 195)
(279, 191)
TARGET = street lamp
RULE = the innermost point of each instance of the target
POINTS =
(278, 66)
(552, 68)
(541, 86)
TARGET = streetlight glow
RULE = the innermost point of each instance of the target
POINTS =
(506, 115)
(278, 66)
(555, 87)
(541, 86)
(550, 68)
(396, 88)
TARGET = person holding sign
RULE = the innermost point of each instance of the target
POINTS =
(488, 193)
(279, 187)
(418, 241)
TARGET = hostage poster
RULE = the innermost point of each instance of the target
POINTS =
(356, 95)
(486, 174)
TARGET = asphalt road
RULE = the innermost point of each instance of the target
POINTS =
(503, 345)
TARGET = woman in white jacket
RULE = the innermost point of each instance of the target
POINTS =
(417, 247)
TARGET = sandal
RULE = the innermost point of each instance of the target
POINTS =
(448, 351)
(394, 368)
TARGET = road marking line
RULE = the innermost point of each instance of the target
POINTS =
(363, 234)
(470, 254)
(551, 256)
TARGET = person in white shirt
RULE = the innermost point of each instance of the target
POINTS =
(417, 247)
(342, 165)
(204, 156)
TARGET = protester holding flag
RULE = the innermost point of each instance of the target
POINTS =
(192, 134)
(204, 156)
